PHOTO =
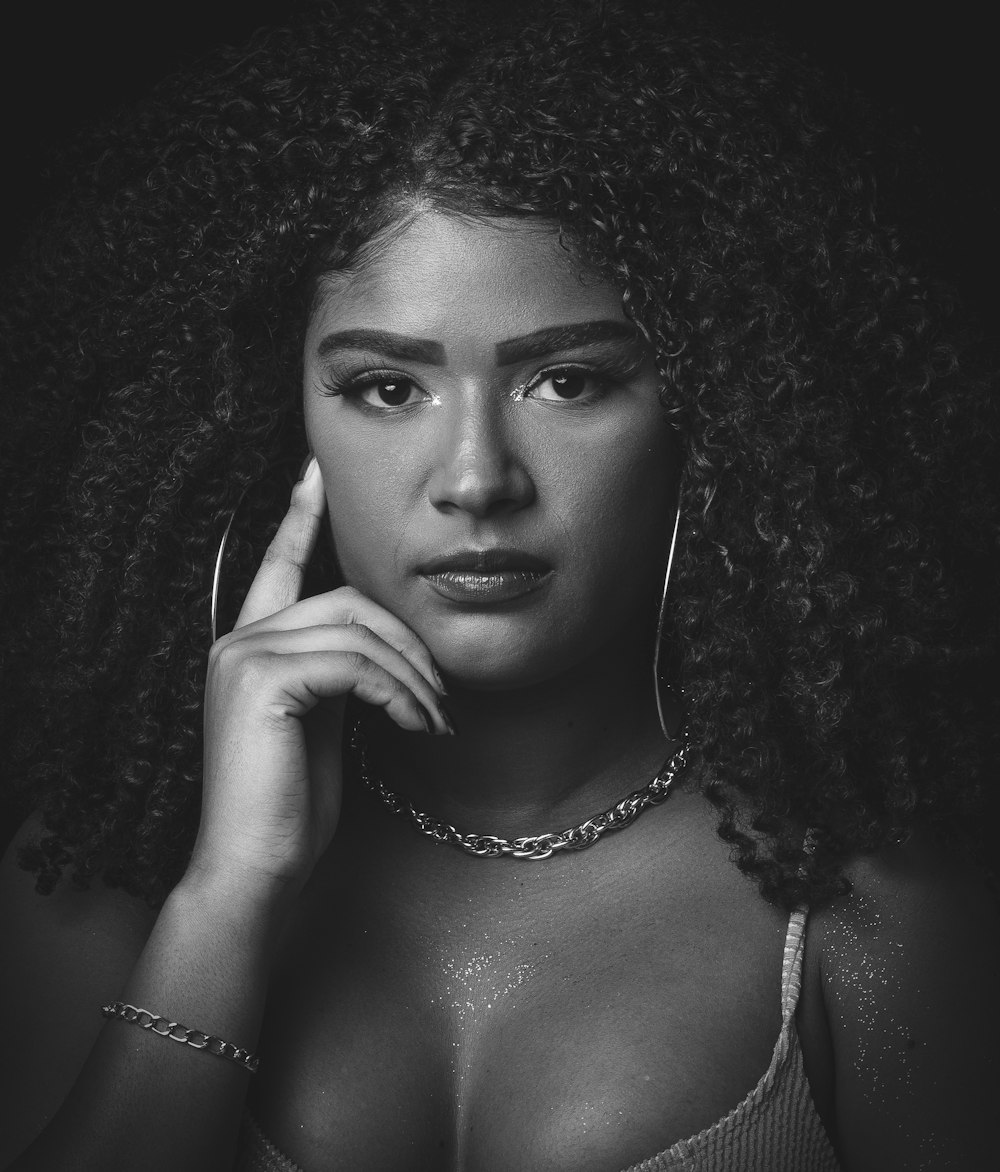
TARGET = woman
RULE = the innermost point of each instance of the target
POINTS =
(542, 306)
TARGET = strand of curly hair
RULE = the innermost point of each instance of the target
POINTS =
(838, 548)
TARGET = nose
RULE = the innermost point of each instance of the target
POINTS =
(481, 467)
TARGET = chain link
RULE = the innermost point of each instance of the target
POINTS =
(538, 846)
(178, 1033)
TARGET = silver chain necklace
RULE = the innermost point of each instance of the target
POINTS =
(538, 846)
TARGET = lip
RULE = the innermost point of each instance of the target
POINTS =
(485, 576)
(484, 561)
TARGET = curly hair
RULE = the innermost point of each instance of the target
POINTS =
(838, 546)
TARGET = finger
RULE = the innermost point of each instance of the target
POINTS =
(309, 677)
(278, 582)
(352, 639)
(345, 606)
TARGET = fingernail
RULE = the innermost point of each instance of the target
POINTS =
(437, 675)
(426, 718)
(448, 722)
(305, 466)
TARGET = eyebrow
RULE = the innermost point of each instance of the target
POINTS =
(537, 344)
(547, 341)
(398, 346)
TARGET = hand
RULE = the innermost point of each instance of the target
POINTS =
(274, 709)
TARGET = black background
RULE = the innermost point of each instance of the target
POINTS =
(933, 67)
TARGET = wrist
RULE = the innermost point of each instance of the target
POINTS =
(235, 900)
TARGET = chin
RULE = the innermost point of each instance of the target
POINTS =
(500, 664)
(482, 680)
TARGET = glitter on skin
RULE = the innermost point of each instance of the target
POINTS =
(886, 1046)
(597, 1113)
(473, 988)
(478, 985)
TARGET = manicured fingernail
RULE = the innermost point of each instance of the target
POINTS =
(448, 722)
(305, 466)
(440, 682)
(426, 718)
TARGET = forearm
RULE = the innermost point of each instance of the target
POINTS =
(142, 1100)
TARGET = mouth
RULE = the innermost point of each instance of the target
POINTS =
(485, 576)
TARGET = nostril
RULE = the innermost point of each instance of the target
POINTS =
(481, 474)
(482, 495)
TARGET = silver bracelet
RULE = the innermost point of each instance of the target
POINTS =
(178, 1033)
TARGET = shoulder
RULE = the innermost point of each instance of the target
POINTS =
(909, 968)
(64, 955)
(916, 913)
(101, 920)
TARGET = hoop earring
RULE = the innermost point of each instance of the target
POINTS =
(659, 626)
(217, 575)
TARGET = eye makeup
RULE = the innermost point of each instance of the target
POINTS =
(617, 365)
(605, 372)
(354, 386)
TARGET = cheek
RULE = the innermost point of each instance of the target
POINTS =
(623, 499)
(365, 514)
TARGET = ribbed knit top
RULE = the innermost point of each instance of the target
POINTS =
(774, 1129)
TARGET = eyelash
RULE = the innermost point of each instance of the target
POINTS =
(603, 378)
(605, 375)
(351, 388)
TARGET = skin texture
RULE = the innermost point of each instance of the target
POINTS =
(586, 484)
(551, 692)
(899, 1020)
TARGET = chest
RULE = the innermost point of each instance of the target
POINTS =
(578, 1023)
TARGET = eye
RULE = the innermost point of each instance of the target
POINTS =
(564, 385)
(389, 392)
(376, 391)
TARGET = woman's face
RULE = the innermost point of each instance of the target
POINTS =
(499, 471)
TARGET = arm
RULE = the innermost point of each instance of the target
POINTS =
(131, 1099)
(137, 1100)
(910, 969)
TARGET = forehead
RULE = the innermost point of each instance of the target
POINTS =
(447, 276)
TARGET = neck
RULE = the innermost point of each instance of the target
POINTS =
(537, 758)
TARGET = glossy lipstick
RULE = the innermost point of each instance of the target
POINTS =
(485, 576)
